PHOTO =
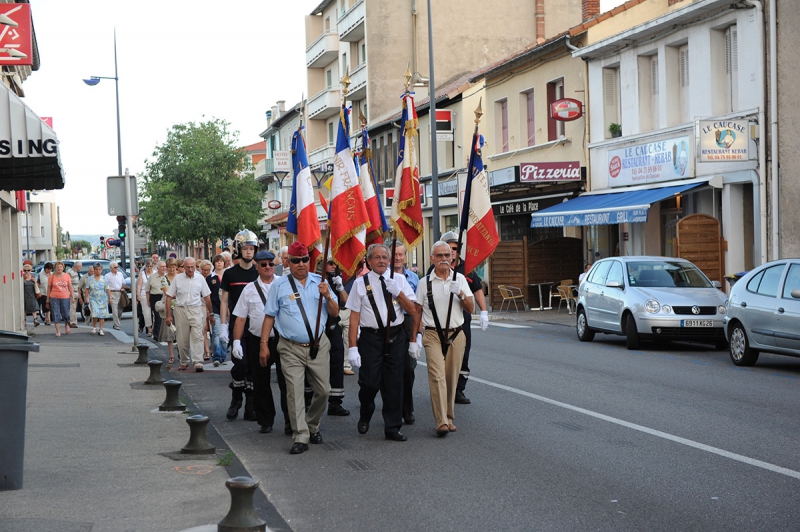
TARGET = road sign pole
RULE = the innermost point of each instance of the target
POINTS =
(131, 247)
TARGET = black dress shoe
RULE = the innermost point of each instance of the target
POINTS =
(363, 427)
(287, 429)
(462, 399)
(395, 436)
(337, 410)
(265, 429)
(299, 448)
(316, 438)
(408, 418)
(233, 410)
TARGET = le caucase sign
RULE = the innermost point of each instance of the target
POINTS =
(662, 160)
(724, 141)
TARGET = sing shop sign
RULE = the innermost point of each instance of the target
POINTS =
(653, 162)
(724, 141)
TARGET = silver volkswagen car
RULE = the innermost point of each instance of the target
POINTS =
(764, 312)
(650, 298)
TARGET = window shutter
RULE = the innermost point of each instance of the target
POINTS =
(609, 87)
(734, 49)
(684, 66)
(531, 123)
(654, 75)
(504, 125)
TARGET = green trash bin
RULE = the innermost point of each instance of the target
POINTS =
(14, 349)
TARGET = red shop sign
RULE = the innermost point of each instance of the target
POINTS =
(16, 41)
(544, 172)
(566, 109)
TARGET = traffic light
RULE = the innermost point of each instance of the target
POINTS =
(102, 242)
(123, 226)
(225, 243)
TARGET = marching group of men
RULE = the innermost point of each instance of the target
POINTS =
(304, 323)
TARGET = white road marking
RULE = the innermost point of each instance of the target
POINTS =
(653, 432)
(474, 325)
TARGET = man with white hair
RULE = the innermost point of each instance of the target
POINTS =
(285, 260)
(75, 276)
(190, 292)
(116, 282)
(228, 260)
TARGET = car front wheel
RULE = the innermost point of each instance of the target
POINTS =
(741, 352)
(585, 334)
(632, 335)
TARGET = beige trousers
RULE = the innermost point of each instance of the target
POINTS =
(298, 366)
(443, 374)
(148, 317)
(190, 322)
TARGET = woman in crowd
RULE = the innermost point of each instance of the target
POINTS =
(59, 295)
(98, 295)
(44, 275)
(219, 266)
(180, 265)
(141, 297)
(166, 334)
(155, 294)
(213, 283)
(31, 296)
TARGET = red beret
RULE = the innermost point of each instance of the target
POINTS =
(298, 249)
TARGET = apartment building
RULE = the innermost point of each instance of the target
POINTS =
(40, 237)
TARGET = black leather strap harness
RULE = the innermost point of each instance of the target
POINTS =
(442, 334)
(299, 299)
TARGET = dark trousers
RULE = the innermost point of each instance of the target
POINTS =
(382, 373)
(334, 333)
(463, 375)
(263, 402)
(156, 316)
(241, 376)
(409, 365)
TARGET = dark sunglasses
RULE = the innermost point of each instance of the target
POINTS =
(265, 264)
(298, 260)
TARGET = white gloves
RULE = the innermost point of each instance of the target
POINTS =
(236, 351)
(414, 348)
(392, 286)
(353, 357)
(484, 320)
(454, 287)
(337, 283)
(223, 333)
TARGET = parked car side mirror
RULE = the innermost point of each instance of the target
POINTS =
(717, 284)
(613, 284)
(796, 293)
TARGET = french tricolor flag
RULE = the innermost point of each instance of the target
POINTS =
(302, 221)
(406, 206)
(377, 219)
(477, 217)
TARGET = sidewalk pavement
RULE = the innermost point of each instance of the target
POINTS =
(92, 445)
(547, 317)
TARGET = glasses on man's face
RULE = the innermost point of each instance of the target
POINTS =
(298, 260)
(442, 256)
(266, 264)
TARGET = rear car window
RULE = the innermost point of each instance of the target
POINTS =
(792, 281)
(766, 282)
(598, 274)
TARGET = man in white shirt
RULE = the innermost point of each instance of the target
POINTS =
(444, 340)
(247, 344)
(190, 292)
(115, 284)
(377, 302)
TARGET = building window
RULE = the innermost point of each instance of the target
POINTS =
(330, 132)
(502, 125)
(24, 231)
(363, 53)
(528, 124)
(344, 63)
(555, 91)
(395, 155)
(683, 73)
(610, 98)
(648, 93)
(327, 24)
(450, 223)
(732, 67)
(42, 230)
(329, 78)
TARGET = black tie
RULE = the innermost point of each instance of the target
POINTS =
(389, 303)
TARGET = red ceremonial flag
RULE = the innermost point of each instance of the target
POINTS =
(348, 215)
(406, 206)
(477, 217)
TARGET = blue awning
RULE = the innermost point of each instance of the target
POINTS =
(605, 209)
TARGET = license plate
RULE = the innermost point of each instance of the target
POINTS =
(697, 323)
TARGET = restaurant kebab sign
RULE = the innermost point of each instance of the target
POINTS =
(653, 162)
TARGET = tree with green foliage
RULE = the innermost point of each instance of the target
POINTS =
(81, 244)
(199, 185)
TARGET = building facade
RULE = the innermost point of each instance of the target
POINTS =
(40, 237)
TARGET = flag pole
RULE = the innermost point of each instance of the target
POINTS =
(465, 207)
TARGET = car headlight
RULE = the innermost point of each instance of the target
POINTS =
(666, 309)
(721, 309)
(652, 306)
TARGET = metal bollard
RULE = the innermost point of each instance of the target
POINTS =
(172, 403)
(143, 356)
(198, 443)
(242, 517)
(155, 373)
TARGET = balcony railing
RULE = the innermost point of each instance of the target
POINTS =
(324, 104)
(323, 51)
(358, 83)
(324, 154)
(264, 169)
(351, 24)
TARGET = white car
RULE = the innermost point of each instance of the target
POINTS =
(650, 298)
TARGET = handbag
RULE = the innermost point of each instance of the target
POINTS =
(124, 300)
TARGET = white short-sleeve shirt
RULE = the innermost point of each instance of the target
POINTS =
(441, 300)
(358, 301)
(188, 291)
(250, 306)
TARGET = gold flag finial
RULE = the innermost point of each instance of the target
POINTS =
(408, 75)
(346, 80)
(478, 112)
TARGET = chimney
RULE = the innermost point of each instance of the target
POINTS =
(275, 114)
(281, 107)
(591, 8)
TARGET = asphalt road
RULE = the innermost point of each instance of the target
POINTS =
(560, 435)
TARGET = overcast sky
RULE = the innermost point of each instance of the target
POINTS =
(179, 61)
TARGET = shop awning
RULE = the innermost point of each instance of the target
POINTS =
(29, 158)
(605, 209)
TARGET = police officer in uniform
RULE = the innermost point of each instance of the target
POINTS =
(334, 331)
(250, 309)
(376, 304)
